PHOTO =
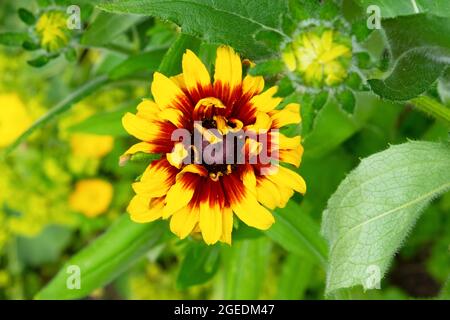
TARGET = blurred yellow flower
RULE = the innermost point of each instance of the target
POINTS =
(91, 197)
(52, 30)
(91, 145)
(4, 278)
(14, 118)
(320, 59)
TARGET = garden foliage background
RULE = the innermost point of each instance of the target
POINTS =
(376, 159)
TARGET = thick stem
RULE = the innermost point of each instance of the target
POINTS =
(432, 107)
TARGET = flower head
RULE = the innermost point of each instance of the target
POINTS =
(220, 149)
(91, 145)
(91, 197)
(320, 58)
(14, 118)
(52, 30)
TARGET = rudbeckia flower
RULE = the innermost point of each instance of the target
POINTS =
(91, 145)
(52, 30)
(319, 58)
(201, 185)
(91, 197)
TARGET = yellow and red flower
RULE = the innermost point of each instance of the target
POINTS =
(203, 195)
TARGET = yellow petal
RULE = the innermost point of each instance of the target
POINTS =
(311, 72)
(210, 222)
(285, 194)
(289, 59)
(142, 210)
(327, 40)
(183, 221)
(288, 115)
(155, 181)
(265, 101)
(252, 213)
(334, 53)
(172, 115)
(292, 156)
(138, 127)
(252, 85)
(165, 91)
(148, 110)
(249, 178)
(268, 193)
(263, 122)
(227, 225)
(178, 197)
(228, 69)
(288, 142)
(288, 178)
(179, 80)
(194, 71)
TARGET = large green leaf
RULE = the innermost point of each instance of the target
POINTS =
(391, 9)
(246, 264)
(105, 258)
(106, 27)
(375, 207)
(199, 265)
(254, 27)
(298, 233)
(420, 48)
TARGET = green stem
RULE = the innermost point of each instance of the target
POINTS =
(432, 107)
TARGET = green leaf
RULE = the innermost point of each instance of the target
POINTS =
(374, 208)
(59, 108)
(26, 16)
(39, 61)
(326, 135)
(106, 27)
(391, 9)
(45, 247)
(13, 39)
(253, 27)
(199, 265)
(103, 123)
(295, 276)
(171, 63)
(347, 100)
(246, 264)
(30, 46)
(147, 62)
(420, 48)
(298, 233)
(104, 259)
